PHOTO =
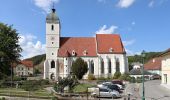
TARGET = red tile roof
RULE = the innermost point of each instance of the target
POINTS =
(27, 63)
(153, 64)
(108, 41)
(102, 43)
(78, 44)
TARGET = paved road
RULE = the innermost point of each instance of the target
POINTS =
(153, 91)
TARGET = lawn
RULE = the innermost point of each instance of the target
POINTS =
(80, 88)
(21, 93)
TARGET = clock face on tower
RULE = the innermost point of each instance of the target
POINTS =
(52, 38)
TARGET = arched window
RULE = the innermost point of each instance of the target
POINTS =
(52, 27)
(110, 66)
(92, 67)
(117, 65)
(52, 64)
(102, 66)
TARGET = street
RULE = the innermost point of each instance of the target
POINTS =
(153, 91)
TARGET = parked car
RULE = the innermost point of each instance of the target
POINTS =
(106, 92)
(110, 86)
(118, 82)
(156, 77)
(120, 86)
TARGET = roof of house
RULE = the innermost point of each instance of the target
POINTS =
(153, 64)
(166, 52)
(90, 46)
(27, 63)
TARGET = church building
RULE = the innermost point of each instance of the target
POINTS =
(104, 53)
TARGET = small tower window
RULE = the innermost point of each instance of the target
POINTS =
(52, 27)
(52, 64)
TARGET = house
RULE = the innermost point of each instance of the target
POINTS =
(153, 65)
(136, 65)
(24, 68)
(166, 68)
(137, 73)
(104, 53)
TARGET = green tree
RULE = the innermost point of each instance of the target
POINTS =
(79, 68)
(9, 48)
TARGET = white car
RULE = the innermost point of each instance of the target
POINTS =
(106, 92)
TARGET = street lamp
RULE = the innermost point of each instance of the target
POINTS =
(143, 90)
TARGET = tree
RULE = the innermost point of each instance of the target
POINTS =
(9, 48)
(79, 68)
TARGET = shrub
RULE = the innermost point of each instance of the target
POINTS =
(31, 85)
(116, 75)
(91, 77)
(125, 77)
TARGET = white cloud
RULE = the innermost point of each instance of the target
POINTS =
(105, 30)
(31, 48)
(125, 3)
(45, 4)
(151, 3)
(131, 53)
(127, 43)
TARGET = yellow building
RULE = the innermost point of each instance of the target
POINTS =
(166, 68)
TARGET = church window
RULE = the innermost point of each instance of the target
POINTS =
(102, 66)
(52, 27)
(110, 66)
(117, 65)
(52, 64)
(92, 67)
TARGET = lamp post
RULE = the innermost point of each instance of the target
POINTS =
(143, 86)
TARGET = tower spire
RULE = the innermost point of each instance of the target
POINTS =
(53, 9)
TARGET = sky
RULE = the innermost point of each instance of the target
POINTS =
(142, 24)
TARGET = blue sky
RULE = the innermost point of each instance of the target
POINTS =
(142, 24)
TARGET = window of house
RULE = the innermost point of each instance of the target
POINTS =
(52, 64)
(28, 68)
(52, 53)
(165, 78)
(22, 68)
(52, 27)
(52, 42)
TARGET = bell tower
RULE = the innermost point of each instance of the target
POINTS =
(52, 45)
(52, 35)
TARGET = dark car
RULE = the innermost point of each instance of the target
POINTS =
(118, 82)
(112, 87)
(156, 77)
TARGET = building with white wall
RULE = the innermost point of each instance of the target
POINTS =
(24, 68)
(104, 53)
(166, 68)
(153, 65)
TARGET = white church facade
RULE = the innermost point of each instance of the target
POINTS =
(104, 53)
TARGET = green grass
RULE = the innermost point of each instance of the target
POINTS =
(80, 88)
(22, 93)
